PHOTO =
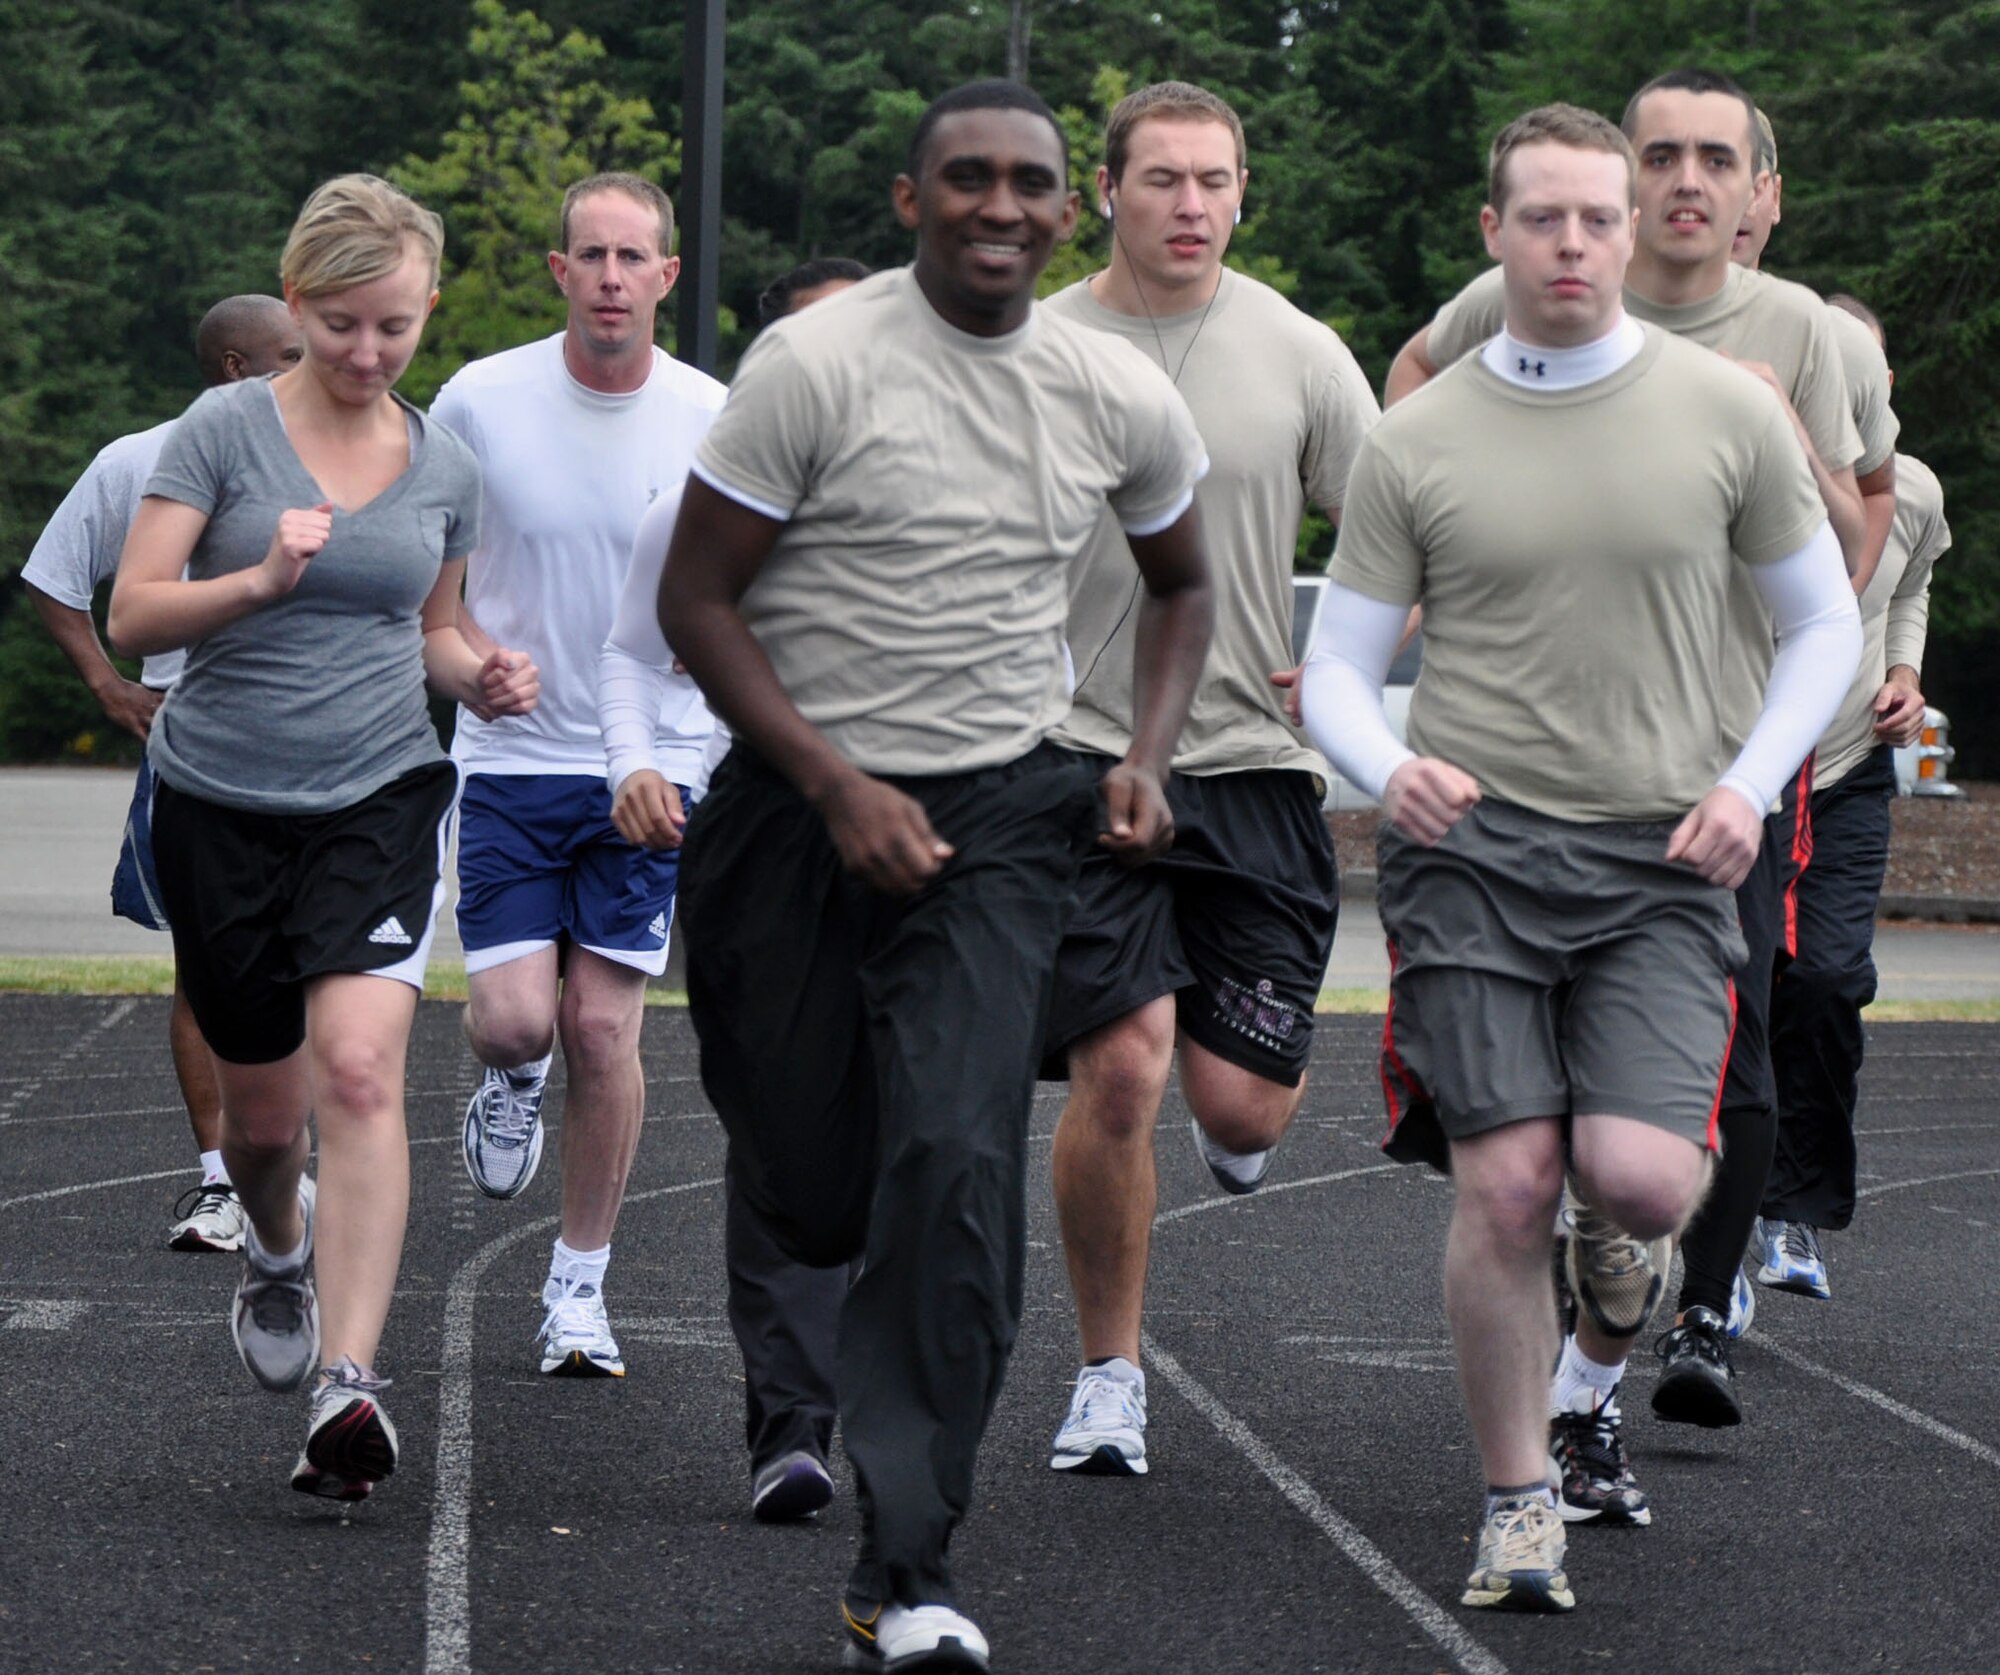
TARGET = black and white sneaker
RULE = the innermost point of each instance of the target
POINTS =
(896, 1637)
(275, 1318)
(1697, 1383)
(1594, 1476)
(350, 1442)
(208, 1217)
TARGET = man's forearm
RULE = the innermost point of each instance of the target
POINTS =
(76, 634)
(1171, 643)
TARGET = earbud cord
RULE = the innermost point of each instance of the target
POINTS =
(1173, 373)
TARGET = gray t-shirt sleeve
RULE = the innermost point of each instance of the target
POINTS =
(195, 465)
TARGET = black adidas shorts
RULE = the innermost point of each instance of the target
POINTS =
(261, 903)
(1235, 921)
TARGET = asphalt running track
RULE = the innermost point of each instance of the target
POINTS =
(1312, 1496)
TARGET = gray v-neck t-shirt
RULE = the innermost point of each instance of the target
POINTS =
(317, 700)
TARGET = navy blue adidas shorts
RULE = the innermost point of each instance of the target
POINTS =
(135, 882)
(539, 860)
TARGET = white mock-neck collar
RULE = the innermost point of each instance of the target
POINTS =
(1530, 368)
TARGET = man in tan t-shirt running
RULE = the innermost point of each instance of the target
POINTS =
(868, 578)
(1694, 132)
(1555, 884)
(1220, 945)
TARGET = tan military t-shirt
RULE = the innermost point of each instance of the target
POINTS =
(935, 489)
(1895, 615)
(1754, 317)
(1571, 550)
(1865, 371)
(1282, 406)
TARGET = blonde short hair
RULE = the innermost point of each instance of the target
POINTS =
(357, 228)
(1166, 101)
(1569, 125)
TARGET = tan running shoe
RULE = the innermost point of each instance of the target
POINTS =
(1520, 1566)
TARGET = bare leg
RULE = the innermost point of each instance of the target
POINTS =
(195, 1071)
(603, 1005)
(357, 1037)
(1105, 1183)
(1499, 1292)
(510, 1015)
(265, 1143)
(1237, 1109)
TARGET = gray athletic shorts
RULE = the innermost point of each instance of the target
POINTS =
(1543, 967)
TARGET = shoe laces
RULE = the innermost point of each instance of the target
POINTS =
(1103, 1402)
(1520, 1532)
(1622, 1254)
(200, 1200)
(1801, 1243)
(277, 1302)
(1702, 1337)
(1596, 1440)
(508, 1112)
(348, 1374)
(576, 1311)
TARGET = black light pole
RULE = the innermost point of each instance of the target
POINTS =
(701, 183)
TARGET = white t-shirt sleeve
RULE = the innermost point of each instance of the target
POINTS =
(77, 552)
(1818, 623)
(1340, 694)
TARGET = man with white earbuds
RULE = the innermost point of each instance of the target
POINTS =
(1218, 946)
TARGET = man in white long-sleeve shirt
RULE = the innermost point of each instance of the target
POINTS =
(1568, 506)
(562, 919)
(785, 1314)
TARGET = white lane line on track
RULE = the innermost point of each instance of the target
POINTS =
(161, 1175)
(447, 1602)
(1926, 1180)
(1271, 1191)
(1888, 1404)
(33, 1084)
(1362, 1553)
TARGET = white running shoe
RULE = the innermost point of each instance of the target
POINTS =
(576, 1335)
(503, 1129)
(208, 1217)
(350, 1442)
(275, 1319)
(1234, 1172)
(1105, 1433)
(913, 1637)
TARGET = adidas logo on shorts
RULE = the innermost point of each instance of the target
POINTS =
(658, 927)
(391, 931)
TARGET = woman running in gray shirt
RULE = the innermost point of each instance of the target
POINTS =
(303, 800)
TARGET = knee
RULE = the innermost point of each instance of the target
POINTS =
(1239, 1111)
(1119, 1075)
(1516, 1202)
(356, 1077)
(507, 1036)
(600, 1034)
(1649, 1199)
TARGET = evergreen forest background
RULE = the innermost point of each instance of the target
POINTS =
(152, 156)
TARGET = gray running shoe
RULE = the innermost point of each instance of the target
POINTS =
(275, 1320)
(1237, 1173)
(503, 1129)
(791, 1487)
(350, 1442)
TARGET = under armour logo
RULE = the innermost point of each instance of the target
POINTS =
(1540, 368)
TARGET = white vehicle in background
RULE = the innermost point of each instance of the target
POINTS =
(1923, 769)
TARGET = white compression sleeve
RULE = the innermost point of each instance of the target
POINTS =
(1340, 689)
(1818, 625)
(634, 668)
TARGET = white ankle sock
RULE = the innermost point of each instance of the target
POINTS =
(214, 1172)
(1576, 1374)
(568, 1266)
(534, 1070)
(1117, 1367)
